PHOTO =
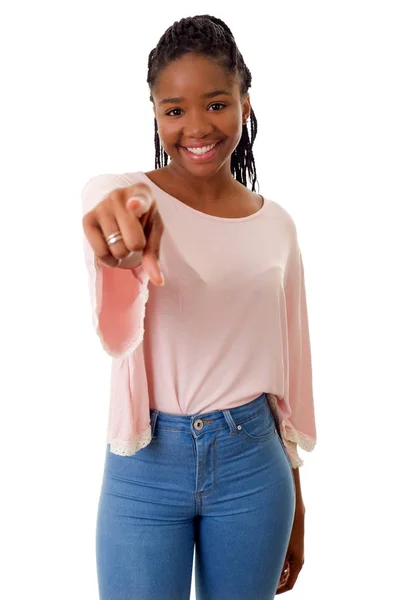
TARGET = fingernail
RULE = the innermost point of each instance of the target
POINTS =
(162, 279)
(133, 204)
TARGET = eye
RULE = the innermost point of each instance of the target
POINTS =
(217, 104)
(172, 110)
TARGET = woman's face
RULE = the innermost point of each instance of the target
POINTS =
(197, 105)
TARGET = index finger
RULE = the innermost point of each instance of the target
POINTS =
(140, 199)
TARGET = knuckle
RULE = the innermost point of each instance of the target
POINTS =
(134, 245)
(119, 252)
(109, 203)
(87, 220)
(133, 239)
(114, 194)
(101, 209)
(103, 256)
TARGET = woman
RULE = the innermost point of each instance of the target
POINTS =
(199, 456)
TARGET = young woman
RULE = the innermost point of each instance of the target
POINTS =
(211, 383)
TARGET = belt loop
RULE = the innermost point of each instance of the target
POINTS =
(153, 420)
(230, 421)
(273, 406)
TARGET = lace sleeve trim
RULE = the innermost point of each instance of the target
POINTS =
(290, 437)
(130, 447)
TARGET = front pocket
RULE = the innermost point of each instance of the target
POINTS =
(259, 427)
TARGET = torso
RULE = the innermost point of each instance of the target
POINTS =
(242, 204)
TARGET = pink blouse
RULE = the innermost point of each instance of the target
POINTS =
(229, 324)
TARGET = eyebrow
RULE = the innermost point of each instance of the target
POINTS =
(178, 99)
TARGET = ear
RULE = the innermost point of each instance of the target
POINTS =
(246, 109)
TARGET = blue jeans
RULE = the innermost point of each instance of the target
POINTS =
(220, 484)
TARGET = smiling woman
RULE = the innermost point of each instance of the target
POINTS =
(195, 62)
(199, 457)
(195, 122)
(195, 125)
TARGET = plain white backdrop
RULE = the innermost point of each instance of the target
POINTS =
(75, 103)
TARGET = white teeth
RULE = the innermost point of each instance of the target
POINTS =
(201, 150)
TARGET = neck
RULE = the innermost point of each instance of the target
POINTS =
(216, 187)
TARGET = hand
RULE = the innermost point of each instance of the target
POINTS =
(295, 554)
(132, 210)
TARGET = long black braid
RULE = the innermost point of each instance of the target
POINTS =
(211, 37)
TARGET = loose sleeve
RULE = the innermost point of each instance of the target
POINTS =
(118, 296)
(296, 408)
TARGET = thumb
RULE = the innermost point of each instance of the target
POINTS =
(151, 252)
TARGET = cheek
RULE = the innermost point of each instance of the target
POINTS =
(235, 132)
(232, 126)
(167, 134)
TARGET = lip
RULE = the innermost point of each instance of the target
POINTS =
(200, 158)
(202, 144)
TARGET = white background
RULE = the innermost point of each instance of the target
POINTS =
(74, 103)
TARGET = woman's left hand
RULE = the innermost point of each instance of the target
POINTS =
(295, 554)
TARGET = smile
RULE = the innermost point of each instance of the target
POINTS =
(203, 154)
(202, 150)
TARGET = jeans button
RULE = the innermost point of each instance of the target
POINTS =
(198, 424)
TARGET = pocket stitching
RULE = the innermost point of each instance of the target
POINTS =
(261, 438)
(258, 438)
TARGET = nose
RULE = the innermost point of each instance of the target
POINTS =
(197, 125)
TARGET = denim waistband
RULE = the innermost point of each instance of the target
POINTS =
(209, 421)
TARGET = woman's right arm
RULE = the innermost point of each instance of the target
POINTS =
(117, 295)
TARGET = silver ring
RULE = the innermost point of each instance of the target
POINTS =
(112, 234)
(113, 238)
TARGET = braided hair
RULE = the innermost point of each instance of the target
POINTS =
(208, 36)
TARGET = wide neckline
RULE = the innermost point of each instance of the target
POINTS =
(205, 215)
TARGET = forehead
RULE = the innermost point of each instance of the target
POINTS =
(193, 75)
